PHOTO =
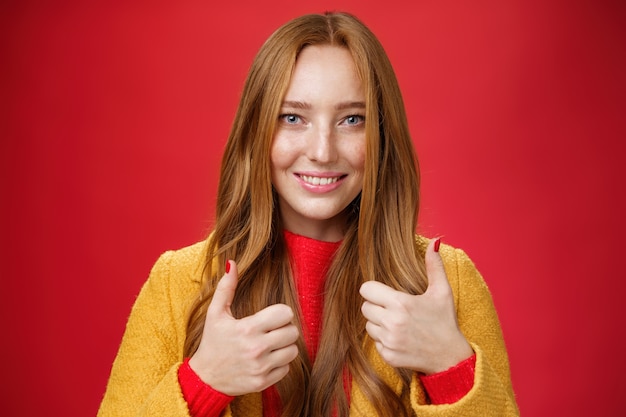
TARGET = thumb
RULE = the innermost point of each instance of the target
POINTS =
(434, 265)
(225, 290)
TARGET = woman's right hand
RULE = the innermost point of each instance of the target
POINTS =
(240, 356)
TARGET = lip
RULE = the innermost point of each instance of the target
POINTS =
(325, 176)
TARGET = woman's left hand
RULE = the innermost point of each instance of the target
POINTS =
(418, 332)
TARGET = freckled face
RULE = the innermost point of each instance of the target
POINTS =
(318, 150)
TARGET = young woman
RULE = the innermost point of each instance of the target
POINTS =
(313, 296)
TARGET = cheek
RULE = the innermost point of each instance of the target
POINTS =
(278, 153)
(356, 155)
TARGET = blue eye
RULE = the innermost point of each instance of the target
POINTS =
(290, 118)
(354, 119)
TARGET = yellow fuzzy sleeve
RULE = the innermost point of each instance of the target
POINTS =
(492, 393)
(144, 376)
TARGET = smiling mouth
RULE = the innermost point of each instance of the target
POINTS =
(320, 180)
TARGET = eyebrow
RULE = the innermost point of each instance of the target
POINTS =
(341, 106)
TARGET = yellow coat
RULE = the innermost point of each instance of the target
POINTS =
(144, 376)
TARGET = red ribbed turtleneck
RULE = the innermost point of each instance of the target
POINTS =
(310, 260)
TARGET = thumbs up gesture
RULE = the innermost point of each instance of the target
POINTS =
(418, 332)
(240, 356)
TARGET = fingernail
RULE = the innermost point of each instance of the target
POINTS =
(437, 243)
(227, 268)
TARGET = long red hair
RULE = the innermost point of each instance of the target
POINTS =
(380, 240)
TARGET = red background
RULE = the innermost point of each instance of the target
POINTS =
(114, 117)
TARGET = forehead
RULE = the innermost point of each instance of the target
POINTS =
(325, 71)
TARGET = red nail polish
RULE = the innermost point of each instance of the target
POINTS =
(437, 243)
(227, 268)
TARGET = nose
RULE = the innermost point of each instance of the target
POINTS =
(321, 146)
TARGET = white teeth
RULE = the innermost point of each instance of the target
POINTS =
(319, 180)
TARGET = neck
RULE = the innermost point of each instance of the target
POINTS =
(321, 231)
(325, 230)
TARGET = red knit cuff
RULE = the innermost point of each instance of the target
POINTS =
(201, 398)
(451, 385)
